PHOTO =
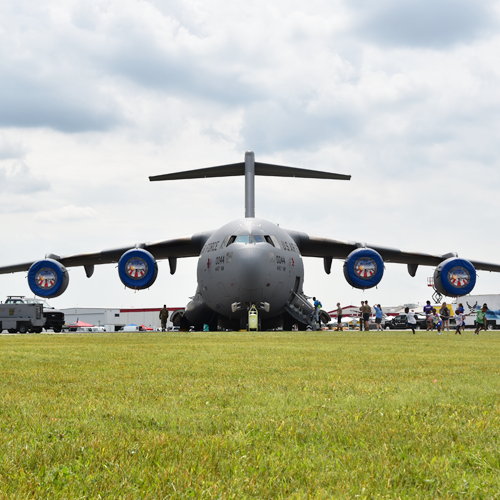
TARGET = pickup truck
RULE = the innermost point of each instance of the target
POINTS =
(399, 322)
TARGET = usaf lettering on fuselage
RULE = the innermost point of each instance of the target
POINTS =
(289, 246)
(210, 247)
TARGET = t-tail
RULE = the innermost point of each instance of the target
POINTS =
(250, 168)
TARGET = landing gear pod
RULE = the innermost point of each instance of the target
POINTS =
(363, 268)
(454, 277)
(137, 269)
(48, 278)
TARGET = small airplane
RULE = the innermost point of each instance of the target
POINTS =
(251, 263)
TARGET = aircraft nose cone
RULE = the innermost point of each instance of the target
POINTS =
(252, 270)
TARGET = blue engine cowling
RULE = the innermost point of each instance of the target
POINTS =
(137, 269)
(363, 268)
(454, 277)
(48, 278)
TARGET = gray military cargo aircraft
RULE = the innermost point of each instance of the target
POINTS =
(251, 262)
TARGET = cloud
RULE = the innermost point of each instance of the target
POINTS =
(45, 79)
(18, 179)
(68, 213)
(11, 148)
(424, 23)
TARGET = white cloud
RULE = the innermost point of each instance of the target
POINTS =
(69, 213)
(18, 179)
(11, 148)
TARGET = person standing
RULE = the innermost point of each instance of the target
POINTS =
(458, 321)
(444, 312)
(410, 319)
(366, 316)
(317, 307)
(361, 311)
(428, 315)
(339, 317)
(481, 319)
(163, 317)
(378, 317)
(460, 310)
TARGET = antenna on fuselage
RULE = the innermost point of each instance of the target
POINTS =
(250, 168)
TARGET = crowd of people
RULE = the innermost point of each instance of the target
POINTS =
(439, 320)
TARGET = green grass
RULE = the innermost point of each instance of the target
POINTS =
(250, 415)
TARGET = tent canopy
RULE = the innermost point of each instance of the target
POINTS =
(79, 324)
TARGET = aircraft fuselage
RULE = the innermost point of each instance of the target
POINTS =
(249, 261)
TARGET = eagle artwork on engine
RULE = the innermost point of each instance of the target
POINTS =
(250, 263)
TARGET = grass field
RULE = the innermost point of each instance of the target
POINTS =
(250, 415)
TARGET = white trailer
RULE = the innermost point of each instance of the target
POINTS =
(472, 303)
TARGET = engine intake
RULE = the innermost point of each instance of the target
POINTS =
(363, 268)
(137, 269)
(454, 277)
(48, 278)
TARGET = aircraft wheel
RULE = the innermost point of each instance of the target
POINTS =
(22, 329)
(12, 330)
(57, 330)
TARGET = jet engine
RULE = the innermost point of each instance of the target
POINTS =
(137, 269)
(363, 268)
(48, 278)
(454, 277)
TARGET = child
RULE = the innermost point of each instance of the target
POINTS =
(481, 319)
(459, 318)
(410, 319)
(437, 321)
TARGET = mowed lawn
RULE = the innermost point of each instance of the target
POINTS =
(250, 415)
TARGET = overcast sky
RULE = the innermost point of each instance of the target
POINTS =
(97, 95)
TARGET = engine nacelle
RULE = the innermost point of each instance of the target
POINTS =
(137, 269)
(363, 268)
(454, 277)
(48, 278)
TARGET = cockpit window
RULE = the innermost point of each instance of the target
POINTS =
(227, 241)
(275, 241)
(250, 238)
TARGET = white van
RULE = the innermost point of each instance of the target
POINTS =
(90, 329)
(472, 303)
(131, 328)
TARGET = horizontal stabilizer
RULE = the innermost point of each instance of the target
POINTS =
(280, 171)
(239, 169)
(200, 173)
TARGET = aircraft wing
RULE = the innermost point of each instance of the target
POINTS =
(187, 246)
(314, 246)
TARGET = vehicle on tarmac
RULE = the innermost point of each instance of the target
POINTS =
(472, 303)
(21, 318)
(399, 322)
(54, 319)
(132, 328)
